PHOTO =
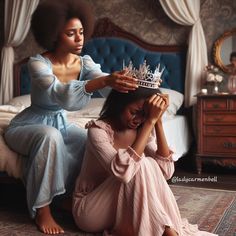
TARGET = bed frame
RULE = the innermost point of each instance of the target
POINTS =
(172, 56)
(104, 27)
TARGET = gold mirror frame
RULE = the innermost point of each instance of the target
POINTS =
(217, 49)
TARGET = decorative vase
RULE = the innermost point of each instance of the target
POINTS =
(232, 83)
(216, 88)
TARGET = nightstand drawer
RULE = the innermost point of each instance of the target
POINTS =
(217, 130)
(216, 126)
(227, 118)
(215, 104)
(220, 145)
(233, 106)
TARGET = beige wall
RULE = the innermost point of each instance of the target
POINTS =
(147, 20)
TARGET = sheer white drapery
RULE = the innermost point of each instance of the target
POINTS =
(17, 16)
(187, 12)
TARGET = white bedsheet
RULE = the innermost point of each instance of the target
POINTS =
(178, 135)
(175, 127)
(9, 160)
(176, 130)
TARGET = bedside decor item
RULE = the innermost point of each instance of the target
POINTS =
(204, 91)
(222, 50)
(213, 75)
(232, 84)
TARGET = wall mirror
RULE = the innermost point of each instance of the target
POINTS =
(223, 47)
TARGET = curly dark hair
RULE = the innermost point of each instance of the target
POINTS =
(50, 17)
(117, 101)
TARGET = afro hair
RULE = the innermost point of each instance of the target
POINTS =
(51, 15)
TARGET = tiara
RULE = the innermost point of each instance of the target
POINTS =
(146, 78)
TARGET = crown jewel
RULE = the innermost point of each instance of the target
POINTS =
(146, 78)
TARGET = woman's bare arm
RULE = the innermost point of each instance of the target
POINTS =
(156, 106)
(117, 80)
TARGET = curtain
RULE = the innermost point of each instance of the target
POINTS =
(17, 14)
(187, 12)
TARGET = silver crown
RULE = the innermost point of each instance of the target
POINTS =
(146, 78)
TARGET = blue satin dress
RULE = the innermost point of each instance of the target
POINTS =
(52, 148)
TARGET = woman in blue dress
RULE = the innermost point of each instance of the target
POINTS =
(60, 80)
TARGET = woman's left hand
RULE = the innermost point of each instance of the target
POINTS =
(156, 105)
(121, 82)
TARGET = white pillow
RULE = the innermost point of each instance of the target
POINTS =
(20, 101)
(176, 99)
(92, 110)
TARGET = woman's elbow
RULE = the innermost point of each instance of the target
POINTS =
(169, 172)
(74, 106)
(124, 175)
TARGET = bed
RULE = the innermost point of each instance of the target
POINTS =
(110, 46)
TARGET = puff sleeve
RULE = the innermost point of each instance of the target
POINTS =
(122, 163)
(93, 70)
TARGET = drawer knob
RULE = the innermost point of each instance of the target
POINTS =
(218, 118)
(229, 145)
(215, 105)
(217, 130)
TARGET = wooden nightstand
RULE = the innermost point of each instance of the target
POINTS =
(216, 129)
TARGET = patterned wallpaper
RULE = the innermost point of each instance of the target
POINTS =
(147, 20)
(217, 17)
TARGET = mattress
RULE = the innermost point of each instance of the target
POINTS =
(178, 135)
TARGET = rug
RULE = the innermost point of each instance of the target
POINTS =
(213, 211)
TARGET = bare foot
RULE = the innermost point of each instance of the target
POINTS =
(169, 232)
(45, 221)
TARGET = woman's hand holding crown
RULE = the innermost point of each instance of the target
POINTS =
(121, 82)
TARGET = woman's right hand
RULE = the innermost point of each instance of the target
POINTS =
(121, 82)
(156, 105)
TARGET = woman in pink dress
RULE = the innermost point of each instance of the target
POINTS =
(122, 188)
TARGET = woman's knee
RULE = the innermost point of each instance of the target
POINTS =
(49, 134)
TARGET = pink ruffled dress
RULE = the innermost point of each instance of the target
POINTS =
(123, 194)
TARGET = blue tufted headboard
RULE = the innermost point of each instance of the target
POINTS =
(111, 52)
(110, 46)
